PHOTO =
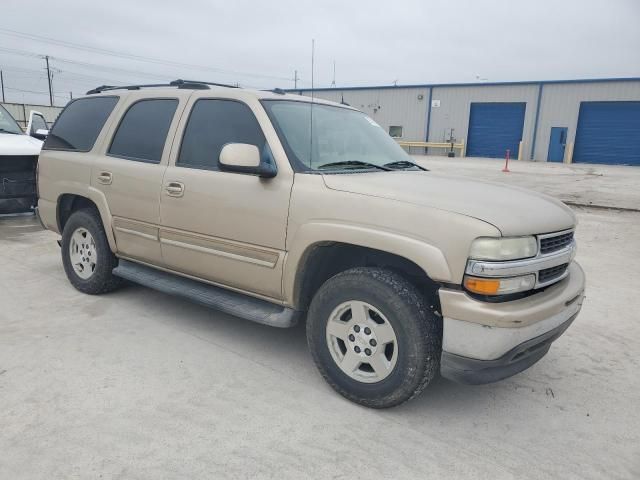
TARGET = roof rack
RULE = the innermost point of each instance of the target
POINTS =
(185, 84)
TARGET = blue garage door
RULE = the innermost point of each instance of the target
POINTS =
(608, 132)
(494, 128)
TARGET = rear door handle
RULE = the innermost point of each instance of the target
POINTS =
(174, 189)
(105, 178)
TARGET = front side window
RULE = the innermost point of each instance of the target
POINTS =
(323, 137)
(8, 123)
(212, 124)
(79, 124)
(142, 133)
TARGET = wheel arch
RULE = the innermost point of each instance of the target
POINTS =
(67, 203)
(308, 267)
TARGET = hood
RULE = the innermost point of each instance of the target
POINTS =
(512, 210)
(11, 144)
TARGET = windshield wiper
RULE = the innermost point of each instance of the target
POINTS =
(2, 130)
(403, 164)
(354, 164)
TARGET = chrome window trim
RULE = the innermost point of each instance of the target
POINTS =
(525, 266)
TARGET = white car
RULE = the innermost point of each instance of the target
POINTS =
(18, 161)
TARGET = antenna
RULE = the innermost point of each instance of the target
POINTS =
(333, 83)
(313, 51)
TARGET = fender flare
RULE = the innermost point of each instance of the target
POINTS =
(428, 257)
(100, 201)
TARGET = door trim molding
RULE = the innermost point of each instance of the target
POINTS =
(135, 227)
(220, 247)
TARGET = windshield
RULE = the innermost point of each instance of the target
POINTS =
(342, 139)
(7, 123)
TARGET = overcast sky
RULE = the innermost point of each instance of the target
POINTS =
(262, 43)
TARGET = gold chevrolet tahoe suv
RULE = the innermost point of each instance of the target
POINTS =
(277, 208)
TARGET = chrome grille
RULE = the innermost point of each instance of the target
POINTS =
(554, 243)
(550, 273)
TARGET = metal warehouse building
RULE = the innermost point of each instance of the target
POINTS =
(585, 121)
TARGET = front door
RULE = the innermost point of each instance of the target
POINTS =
(226, 228)
(557, 144)
(130, 169)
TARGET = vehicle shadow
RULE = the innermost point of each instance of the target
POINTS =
(285, 351)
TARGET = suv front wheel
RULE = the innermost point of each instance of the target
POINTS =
(373, 338)
(86, 256)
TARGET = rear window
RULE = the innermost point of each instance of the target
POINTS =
(79, 124)
(143, 130)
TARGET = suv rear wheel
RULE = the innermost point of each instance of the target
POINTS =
(373, 337)
(86, 256)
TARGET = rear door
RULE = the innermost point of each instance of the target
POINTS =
(129, 169)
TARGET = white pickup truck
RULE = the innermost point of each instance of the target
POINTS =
(18, 161)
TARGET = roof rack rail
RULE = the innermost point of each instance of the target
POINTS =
(227, 85)
(186, 84)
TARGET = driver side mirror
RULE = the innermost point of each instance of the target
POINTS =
(40, 134)
(37, 126)
(245, 158)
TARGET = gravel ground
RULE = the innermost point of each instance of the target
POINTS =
(598, 185)
(139, 385)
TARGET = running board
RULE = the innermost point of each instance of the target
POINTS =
(221, 299)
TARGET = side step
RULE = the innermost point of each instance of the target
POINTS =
(221, 299)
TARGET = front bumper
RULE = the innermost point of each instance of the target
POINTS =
(475, 372)
(485, 342)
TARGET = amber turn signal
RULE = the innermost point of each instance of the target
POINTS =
(482, 286)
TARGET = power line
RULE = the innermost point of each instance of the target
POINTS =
(117, 70)
(130, 56)
(64, 73)
(21, 90)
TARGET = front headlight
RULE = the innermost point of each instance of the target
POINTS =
(507, 248)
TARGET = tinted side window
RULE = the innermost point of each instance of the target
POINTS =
(142, 132)
(80, 123)
(211, 125)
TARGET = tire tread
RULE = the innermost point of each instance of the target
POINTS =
(428, 325)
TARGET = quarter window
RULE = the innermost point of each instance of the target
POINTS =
(79, 124)
(212, 124)
(143, 130)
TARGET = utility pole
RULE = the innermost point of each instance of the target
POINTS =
(49, 80)
(2, 84)
(70, 95)
(295, 79)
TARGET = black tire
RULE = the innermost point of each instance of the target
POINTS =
(102, 280)
(418, 333)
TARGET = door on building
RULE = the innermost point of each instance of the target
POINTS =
(495, 128)
(608, 132)
(557, 144)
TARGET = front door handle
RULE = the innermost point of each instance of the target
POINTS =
(105, 178)
(174, 189)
